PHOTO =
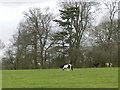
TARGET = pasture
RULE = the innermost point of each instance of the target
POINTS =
(56, 78)
(0, 79)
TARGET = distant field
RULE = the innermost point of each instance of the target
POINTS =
(55, 78)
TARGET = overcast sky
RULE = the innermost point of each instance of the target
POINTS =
(11, 12)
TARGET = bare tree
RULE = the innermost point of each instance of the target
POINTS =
(40, 26)
(106, 33)
(112, 13)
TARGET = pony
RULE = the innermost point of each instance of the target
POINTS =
(97, 65)
(108, 64)
(67, 67)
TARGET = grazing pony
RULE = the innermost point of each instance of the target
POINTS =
(67, 67)
(97, 65)
(108, 64)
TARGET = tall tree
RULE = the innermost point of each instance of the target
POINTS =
(112, 11)
(60, 43)
(40, 27)
(75, 19)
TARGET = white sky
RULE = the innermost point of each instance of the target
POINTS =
(11, 13)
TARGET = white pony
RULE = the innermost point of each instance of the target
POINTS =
(108, 64)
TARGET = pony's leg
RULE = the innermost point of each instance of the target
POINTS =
(72, 68)
(67, 69)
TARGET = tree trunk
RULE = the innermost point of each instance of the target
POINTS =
(35, 52)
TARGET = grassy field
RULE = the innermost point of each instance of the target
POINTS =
(55, 78)
(0, 78)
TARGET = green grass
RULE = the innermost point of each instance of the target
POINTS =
(56, 78)
(0, 79)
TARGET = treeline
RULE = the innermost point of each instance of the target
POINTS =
(77, 40)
